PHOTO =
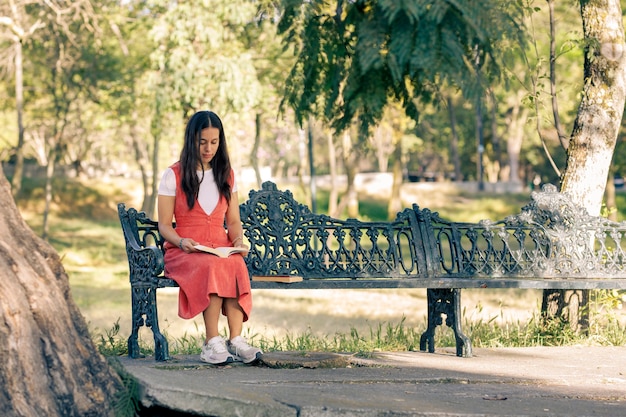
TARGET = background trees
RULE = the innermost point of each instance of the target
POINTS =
(138, 71)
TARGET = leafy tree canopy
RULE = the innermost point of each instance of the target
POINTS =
(353, 57)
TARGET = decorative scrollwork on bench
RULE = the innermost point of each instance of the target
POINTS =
(287, 239)
(552, 238)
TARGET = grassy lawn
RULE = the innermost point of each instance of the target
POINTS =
(84, 230)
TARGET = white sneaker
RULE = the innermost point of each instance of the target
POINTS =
(239, 348)
(215, 352)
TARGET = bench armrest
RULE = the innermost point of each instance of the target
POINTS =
(145, 264)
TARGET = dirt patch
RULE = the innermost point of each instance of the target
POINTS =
(309, 360)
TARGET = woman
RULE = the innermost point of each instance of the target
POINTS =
(199, 193)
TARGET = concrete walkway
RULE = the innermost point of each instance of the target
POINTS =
(543, 381)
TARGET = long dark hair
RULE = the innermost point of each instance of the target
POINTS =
(190, 157)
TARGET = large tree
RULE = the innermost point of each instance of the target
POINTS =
(599, 116)
(355, 57)
(592, 143)
(50, 366)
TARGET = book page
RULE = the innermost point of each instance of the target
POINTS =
(222, 252)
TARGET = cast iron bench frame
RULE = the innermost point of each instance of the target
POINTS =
(551, 244)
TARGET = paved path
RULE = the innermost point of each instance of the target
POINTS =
(543, 381)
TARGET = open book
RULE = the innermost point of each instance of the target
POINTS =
(222, 252)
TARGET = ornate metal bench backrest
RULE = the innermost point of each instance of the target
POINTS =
(287, 239)
(551, 238)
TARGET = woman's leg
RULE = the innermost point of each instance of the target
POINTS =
(237, 345)
(234, 314)
(212, 315)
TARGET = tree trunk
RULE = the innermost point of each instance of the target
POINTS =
(313, 180)
(142, 159)
(142, 162)
(600, 112)
(150, 207)
(48, 194)
(18, 173)
(515, 120)
(480, 145)
(553, 95)
(454, 142)
(49, 366)
(302, 166)
(395, 200)
(350, 161)
(254, 155)
(333, 197)
(495, 137)
(611, 202)
(596, 127)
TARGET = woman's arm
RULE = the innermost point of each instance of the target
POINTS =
(166, 215)
(233, 221)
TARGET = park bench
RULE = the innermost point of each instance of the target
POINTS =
(551, 244)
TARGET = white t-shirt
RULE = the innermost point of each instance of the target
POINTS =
(208, 195)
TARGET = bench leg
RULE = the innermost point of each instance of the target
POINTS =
(144, 304)
(445, 301)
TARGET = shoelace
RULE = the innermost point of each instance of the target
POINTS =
(239, 346)
(218, 347)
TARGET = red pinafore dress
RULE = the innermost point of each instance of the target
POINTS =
(199, 274)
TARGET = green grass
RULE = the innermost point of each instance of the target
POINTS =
(457, 207)
(85, 231)
(385, 336)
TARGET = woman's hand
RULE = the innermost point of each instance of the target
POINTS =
(186, 244)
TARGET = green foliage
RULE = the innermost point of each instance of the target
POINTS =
(73, 198)
(201, 57)
(383, 336)
(353, 57)
(110, 343)
(457, 207)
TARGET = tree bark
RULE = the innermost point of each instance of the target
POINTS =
(350, 161)
(395, 200)
(495, 137)
(595, 131)
(555, 105)
(48, 194)
(599, 116)
(49, 366)
(141, 156)
(254, 155)
(611, 202)
(333, 196)
(517, 115)
(454, 142)
(18, 173)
